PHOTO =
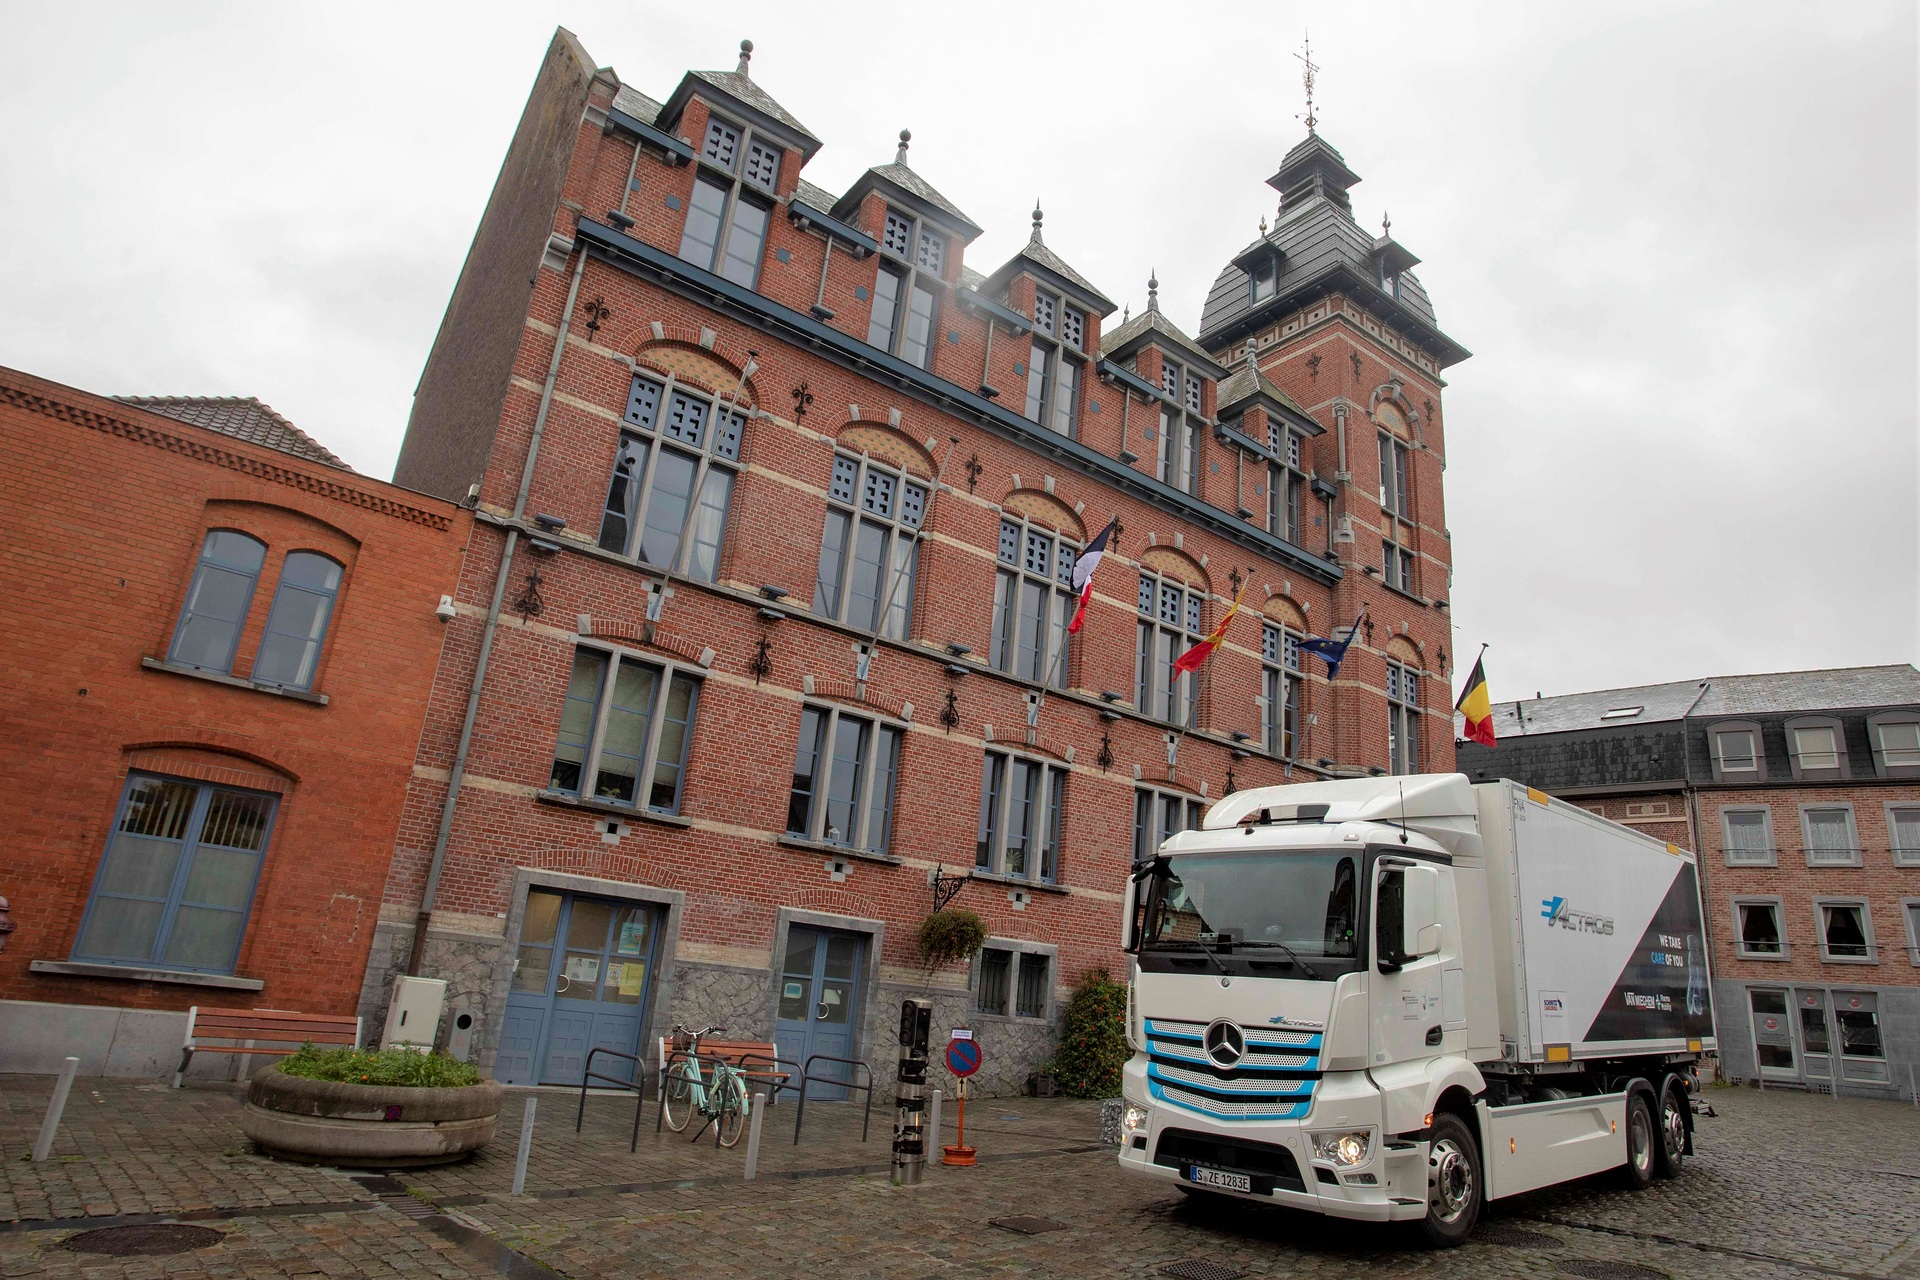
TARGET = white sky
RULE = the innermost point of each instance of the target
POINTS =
(1681, 241)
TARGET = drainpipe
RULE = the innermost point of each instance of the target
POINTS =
(458, 774)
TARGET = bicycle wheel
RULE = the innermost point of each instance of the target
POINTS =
(677, 1101)
(729, 1105)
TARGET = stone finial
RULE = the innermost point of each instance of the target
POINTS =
(1386, 225)
(1253, 354)
(1153, 291)
(1126, 313)
(1263, 226)
(900, 156)
(746, 56)
(1037, 216)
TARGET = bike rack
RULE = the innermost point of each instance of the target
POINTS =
(640, 1096)
(807, 1077)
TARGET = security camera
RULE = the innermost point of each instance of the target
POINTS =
(445, 610)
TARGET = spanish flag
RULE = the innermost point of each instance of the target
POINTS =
(1477, 705)
(1192, 658)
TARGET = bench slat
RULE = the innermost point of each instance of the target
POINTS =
(217, 1026)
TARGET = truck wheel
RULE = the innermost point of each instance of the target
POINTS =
(1453, 1184)
(1672, 1151)
(1637, 1172)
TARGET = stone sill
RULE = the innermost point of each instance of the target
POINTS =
(132, 973)
(174, 668)
(1017, 882)
(563, 800)
(1407, 595)
(836, 850)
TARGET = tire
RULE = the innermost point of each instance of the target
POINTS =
(1670, 1152)
(677, 1101)
(1637, 1173)
(730, 1105)
(1454, 1184)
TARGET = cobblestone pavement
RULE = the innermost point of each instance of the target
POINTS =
(1785, 1185)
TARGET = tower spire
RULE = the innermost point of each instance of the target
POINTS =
(1307, 71)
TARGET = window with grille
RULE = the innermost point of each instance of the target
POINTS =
(1829, 831)
(726, 230)
(1033, 601)
(869, 547)
(1749, 840)
(1403, 719)
(763, 165)
(1053, 376)
(1280, 657)
(897, 235)
(1159, 816)
(1044, 309)
(902, 320)
(176, 884)
(1169, 625)
(673, 479)
(844, 773)
(1013, 983)
(625, 730)
(1021, 806)
(723, 143)
(1073, 327)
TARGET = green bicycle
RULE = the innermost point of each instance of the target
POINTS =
(720, 1094)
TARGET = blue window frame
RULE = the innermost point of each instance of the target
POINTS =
(217, 601)
(297, 623)
(176, 884)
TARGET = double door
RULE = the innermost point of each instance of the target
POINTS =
(819, 993)
(582, 979)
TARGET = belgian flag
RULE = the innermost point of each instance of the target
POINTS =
(1477, 705)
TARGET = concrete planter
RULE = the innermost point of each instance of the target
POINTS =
(364, 1125)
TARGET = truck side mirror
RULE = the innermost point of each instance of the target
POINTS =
(1128, 935)
(1420, 927)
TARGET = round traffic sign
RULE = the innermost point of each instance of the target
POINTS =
(963, 1057)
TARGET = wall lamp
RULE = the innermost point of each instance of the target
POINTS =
(775, 593)
(957, 649)
(552, 524)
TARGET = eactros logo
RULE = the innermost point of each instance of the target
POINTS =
(1556, 911)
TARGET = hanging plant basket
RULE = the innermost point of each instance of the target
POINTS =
(948, 937)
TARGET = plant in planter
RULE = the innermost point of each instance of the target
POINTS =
(948, 937)
(1093, 1041)
(393, 1108)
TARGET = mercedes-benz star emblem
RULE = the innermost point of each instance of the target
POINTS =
(1225, 1043)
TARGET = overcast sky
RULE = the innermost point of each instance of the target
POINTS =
(1680, 240)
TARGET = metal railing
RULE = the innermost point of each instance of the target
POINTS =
(639, 1099)
(1763, 950)
(1749, 857)
(1869, 951)
(807, 1077)
(1832, 856)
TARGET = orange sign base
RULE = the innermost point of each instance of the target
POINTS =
(957, 1155)
(960, 1153)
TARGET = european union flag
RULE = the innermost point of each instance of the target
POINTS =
(1333, 652)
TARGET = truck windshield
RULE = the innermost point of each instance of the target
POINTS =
(1305, 904)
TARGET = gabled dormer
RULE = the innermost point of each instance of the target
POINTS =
(1166, 362)
(1391, 259)
(1065, 311)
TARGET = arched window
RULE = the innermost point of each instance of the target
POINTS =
(1032, 602)
(672, 479)
(1169, 626)
(869, 546)
(1280, 662)
(217, 601)
(297, 625)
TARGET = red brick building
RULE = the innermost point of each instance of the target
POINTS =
(1801, 791)
(777, 503)
(219, 648)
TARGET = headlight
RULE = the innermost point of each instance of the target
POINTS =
(1134, 1119)
(1343, 1148)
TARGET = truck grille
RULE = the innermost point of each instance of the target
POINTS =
(1263, 1161)
(1273, 1080)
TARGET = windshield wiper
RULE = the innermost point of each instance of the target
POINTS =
(1291, 955)
(1195, 942)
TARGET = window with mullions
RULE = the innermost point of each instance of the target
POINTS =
(1286, 485)
(843, 780)
(869, 548)
(672, 479)
(615, 732)
(1280, 655)
(1396, 493)
(1053, 372)
(726, 228)
(1403, 719)
(1396, 566)
(297, 624)
(1013, 983)
(912, 256)
(217, 601)
(1179, 462)
(176, 884)
(1169, 626)
(1159, 816)
(1032, 602)
(1021, 802)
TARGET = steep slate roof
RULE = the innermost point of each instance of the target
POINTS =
(1036, 253)
(818, 197)
(1152, 321)
(742, 87)
(1247, 383)
(242, 417)
(636, 104)
(914, 185)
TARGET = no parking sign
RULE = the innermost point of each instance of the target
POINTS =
(963, 1057)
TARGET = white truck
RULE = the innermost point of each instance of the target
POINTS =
(1396, 998)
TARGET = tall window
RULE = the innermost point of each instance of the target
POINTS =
(1261, 281)
(843, 780)
(869, 547)
(1013, 983)
(1055, 363)
(1760, 933)
(1396, 493)
(1021, 802)
(1280, 654)
(177, 881)
(1169, 625)
(1159, 816)
(1032, 603)
(217, 601)
(1903, 834)
(731, 203)
(1829, 830)
(912, 257)
(1403, 719)
(1180, 430)
(672, 479)
(625, 737)
(1749, 841)
(1397, 566)
(297, 624)
(1845, 931)
(1285, 484)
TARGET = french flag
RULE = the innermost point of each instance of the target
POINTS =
(1083, 568)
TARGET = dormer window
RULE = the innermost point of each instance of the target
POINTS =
(726, 227)
(1044, 309)
(763, 164)
(1389, 279)
(1179, 433)
(723, 144)
(1193, 393)
(897, 236)
(1053, 371)
(932, 251)
(1073, 328)
(1263, 281)
(903, 298)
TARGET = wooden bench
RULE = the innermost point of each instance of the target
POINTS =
(756, 1060)
(240, 1030)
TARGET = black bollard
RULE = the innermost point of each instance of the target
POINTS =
(910, 1093)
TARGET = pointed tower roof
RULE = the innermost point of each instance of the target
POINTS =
(1313, 169)
(737, 94)
(1151, 326)
(899, 182)
(1048, 266)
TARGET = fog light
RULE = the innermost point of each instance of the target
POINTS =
(1343, 1148)
(1134, 1119)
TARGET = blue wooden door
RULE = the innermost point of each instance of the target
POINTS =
(584, 973)
(819, 996)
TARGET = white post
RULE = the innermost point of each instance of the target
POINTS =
(755, 1107)
(934, 1128)
(526, 1148)
(43, 1145)
(1911, 1087)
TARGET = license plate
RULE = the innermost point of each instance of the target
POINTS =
(1220, 1178)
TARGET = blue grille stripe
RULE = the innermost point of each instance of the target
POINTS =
(1174, 1053)
(1256, 1090)
(1237, 1112)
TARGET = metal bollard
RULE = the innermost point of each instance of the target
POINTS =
(933, 1123)
(43, 1145)
(526, 1148)
(909, 1126)
(758, 1105)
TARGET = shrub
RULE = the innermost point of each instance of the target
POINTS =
(1093, 1043)
(383, 1066)
(947, 937)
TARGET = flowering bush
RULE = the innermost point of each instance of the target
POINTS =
(1093, 1043)
(384, 1066)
